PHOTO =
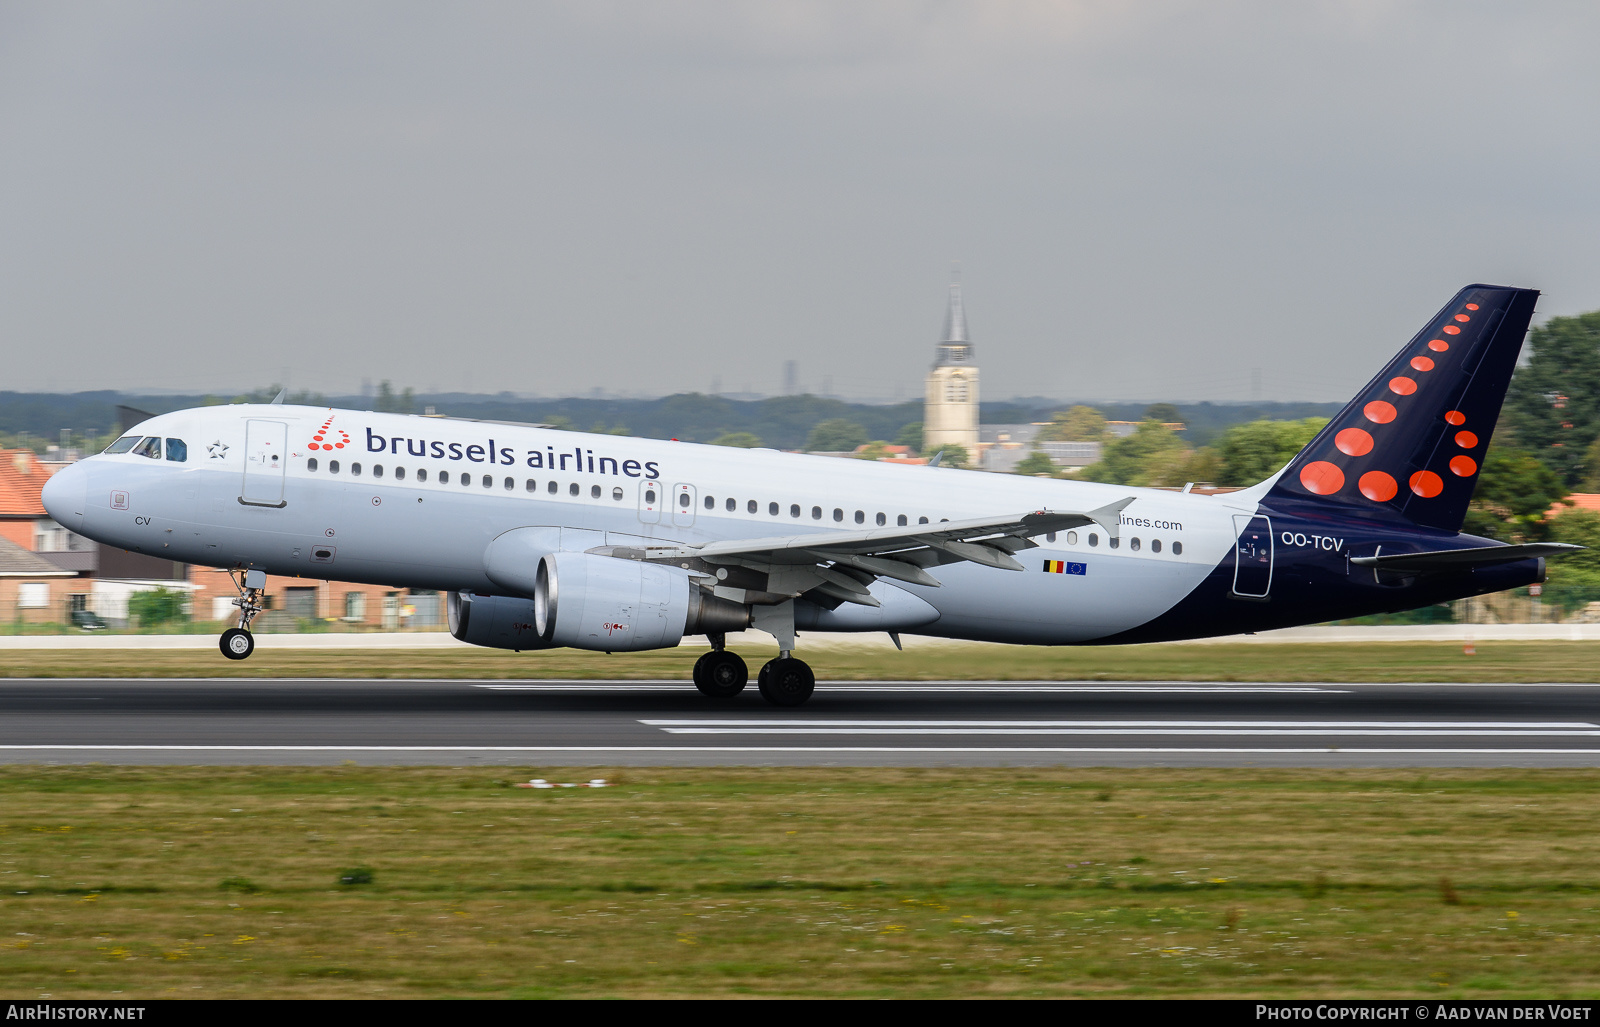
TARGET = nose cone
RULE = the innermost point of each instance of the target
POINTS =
(64, 496)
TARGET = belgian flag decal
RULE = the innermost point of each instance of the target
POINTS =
(1063, 567)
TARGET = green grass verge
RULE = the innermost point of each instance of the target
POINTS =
(1382, 661)
(208, 882)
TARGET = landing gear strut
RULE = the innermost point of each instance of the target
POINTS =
(237, 643)
(785, 681)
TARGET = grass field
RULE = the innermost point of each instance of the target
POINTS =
(1381, 661)
(208, 882)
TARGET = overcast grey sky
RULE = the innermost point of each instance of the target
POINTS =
(1147, 200)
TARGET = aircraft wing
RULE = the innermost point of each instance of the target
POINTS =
(839, 565)
(1443, 560)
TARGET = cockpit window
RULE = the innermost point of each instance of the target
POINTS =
(150, 447)
(177, 450)
(124, 444)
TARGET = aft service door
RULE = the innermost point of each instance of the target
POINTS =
(1252, 569)
(266, 457)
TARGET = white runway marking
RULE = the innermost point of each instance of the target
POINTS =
(841, 749)
(917, 686)
(1124, 727)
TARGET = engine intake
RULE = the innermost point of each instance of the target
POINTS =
(499, 622)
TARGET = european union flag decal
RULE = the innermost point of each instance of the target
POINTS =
(1063, 567)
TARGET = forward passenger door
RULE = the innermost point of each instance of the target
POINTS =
(266, 459)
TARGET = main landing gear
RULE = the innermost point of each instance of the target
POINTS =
(784, 681)
(237, 643)
(721, 674)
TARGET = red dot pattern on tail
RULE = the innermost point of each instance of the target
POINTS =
(1323, 477)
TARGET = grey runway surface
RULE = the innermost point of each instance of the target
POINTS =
(551, 723)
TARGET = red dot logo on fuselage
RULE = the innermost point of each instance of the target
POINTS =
(324, 438)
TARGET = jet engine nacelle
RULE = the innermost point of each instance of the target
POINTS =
(588, 601)
(499, 622)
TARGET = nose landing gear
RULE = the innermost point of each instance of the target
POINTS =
(237, 643)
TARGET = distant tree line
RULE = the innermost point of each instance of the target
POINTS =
(781, 422)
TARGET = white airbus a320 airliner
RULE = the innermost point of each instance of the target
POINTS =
(546, 538)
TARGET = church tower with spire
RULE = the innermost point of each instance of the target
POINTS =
(950, 411)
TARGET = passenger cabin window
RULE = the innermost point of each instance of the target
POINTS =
(711, 503)
(794, 509)
(422, 474)
(399, 474)
(594, 492)
(1155, 545)
(882, 520)
(333, 467)
(649, 496)
(123, 444)
(311, 464)
(510, 483)
(816, 513)
(683, 500)
(1094, 540)
(1113, 541)
(1177, 549)
(572, 489)
(838, 514)
(488, 481)
(616, 493)
(177, 451)
(1072, 538)
(532, 486)
(150, 447)
(551, 488)
(377, 470)
(922, 520)
(732, 504)
(752, 507)
(1133, 543)
(861, 517)
(772, 510)
(355, 469)
(901, 520)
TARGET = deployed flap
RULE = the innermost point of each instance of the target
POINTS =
(1460, 559)
(837, 566)
(953, 537)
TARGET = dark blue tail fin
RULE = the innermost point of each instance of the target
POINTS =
(1412, 442)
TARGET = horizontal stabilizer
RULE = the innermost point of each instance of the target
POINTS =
(1444, 560)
